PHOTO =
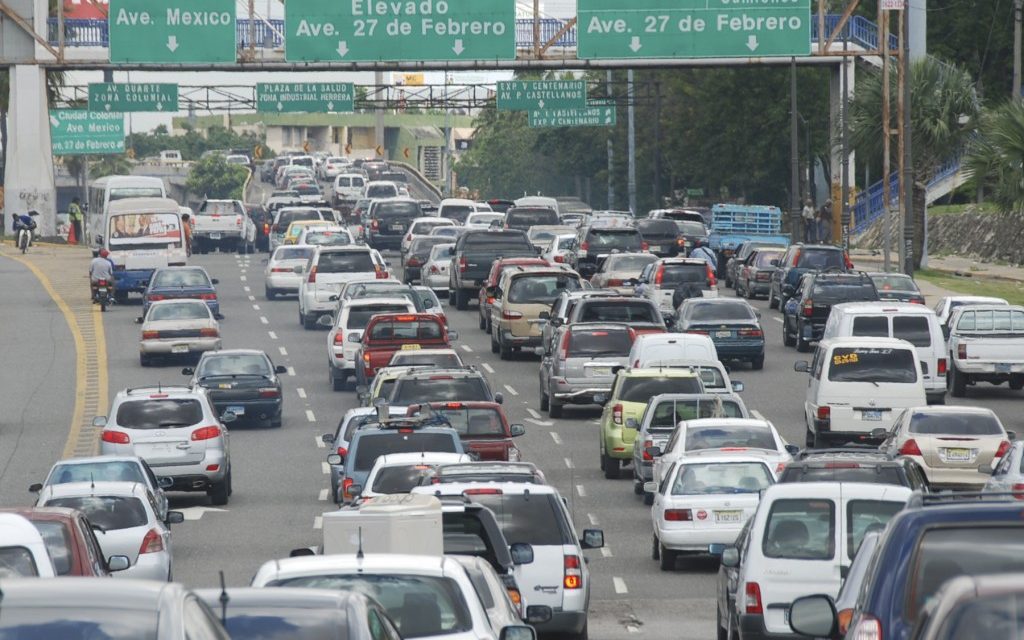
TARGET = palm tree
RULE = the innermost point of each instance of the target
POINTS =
(996, 158)
(943, 110)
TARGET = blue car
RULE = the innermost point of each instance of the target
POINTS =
(169, 283)
(733, 325)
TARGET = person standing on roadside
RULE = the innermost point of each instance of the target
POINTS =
(186, 227)
(808, 215)
(825, 222)
(75, 216)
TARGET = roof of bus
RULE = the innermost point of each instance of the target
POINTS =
(142, 181)
(144, 205)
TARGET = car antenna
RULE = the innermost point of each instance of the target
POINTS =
(359, 550)
(224, 599)
(92, 481)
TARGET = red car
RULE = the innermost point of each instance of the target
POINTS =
(387, 333)
(70, 541)
(482, 426)
(486, 295)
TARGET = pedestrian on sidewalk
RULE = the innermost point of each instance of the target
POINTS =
(76, 217)
(186, 227)
(825, 223)
(808, 215)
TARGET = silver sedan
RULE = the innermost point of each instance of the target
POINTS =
(184, 327)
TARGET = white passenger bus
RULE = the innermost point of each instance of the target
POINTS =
(107, 189)
(142, 234)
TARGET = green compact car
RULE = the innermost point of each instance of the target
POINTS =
(631, 391)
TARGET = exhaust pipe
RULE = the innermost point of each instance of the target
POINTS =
(198, 484)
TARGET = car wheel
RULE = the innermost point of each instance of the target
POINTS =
(958, 382)
(655, 548)
(269, 293)
(490, 326)
(554, 409)
(648, 498)
(494, 344)
(723, 633)
(275, 423)
(803, 346)
(338, 381)
(787, 339)
(504, 351)
(638, 487)
(773, 303)
(582, 635)
(145, 360)
(748, 292)
(808, 438)
(451, 294)
(668, 559)
(544, 400)
(757, 363)
(611, 467)
(461, 299)
(1016, 383)
(481, 321)
(219, 493)
(309, 322)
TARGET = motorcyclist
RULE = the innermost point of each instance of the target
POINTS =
(101, 268)
(24, 221)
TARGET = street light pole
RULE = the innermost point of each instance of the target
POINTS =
(794, 158)
(1017, 6)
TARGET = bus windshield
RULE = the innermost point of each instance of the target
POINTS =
(128, 230)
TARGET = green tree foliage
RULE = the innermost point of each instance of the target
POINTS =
(109, 165)
(192, 144)
(213, 177)
(996, 157)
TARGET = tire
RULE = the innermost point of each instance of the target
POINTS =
(482, 322)
(668, 559)
(723, 633)
(787, 339)
(494, 344)
(544, 400)
(655, 548)
(275, 423)
(1017, 384)
(338, 381)
(23, 242)
(648, 498)
(757, 363)
(504, 351)
(821, 442)
(638, 487)
(490, 326)
(451, 294)
(773, 302)
(808, 438)
(269, 293)
(309, 322)
(957, 383)
(749, 293)
(554, 409)
(120, 297)
(803, 346)
(145, 360)
(219, 492)
(461, 299)
(610, 466)
(582, 635)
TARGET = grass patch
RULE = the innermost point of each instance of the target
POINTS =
(946, 209)
(1010, 291)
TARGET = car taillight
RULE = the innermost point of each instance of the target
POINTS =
(207, 296)
(712, 280)
(346, 485)
(101, 283)
(910, 448)
(564, 346)
(615, 282)
(584, 246)
(844, 618)
(1004, 446)
(515, 596)
(617, 414)
(961, 351)
(573, 573)
(1018, 487)
(762, 276)
(374, 225)
(779, 468)
(155, 297)
(270, 392)
(847, 261)
(206, 433)
(209, 333)
(152, 543)
(659, 275)
(808, 308)
(868, 628)
(413, 261)
(342, 451)
(678, 515)
(312, 275)
(238, 221)
(115, 437)
(940, 367)
(462, 264)
(698, 332)
(824, 413)
(380, 272)
(266, 229)
(510, 315)
(681, 242)
(282, 270)
(917, 300)
(753, 593)
(434, 269)
(647, 444)
(559, 259)
(490, 299)
(751, 333)
(150, 335)
(644, 246)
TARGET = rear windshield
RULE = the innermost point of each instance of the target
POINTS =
(683, 273)
(440, 389)
(657, 228)
(473, 422)
(864, 517)
(107, 512)
(719, 311)
(248, 364)
(690, 228)
(541, 289)
(332, 238)
(721, 477)
(667, 414)
(459, 213)
(181, 278)
(345, 262)
(1001, 615)
(180, 311)
(96, 471)
(293, 253)
(535, 520)
(991, 321)
(306, 189)
(442, 360)
(820, 259)
(17, 562)
(625, 311)
(894, 282)
(414, 330)
(872, 365)
(78, 623)
(732, 436)
(833, 291)
(643, 388)
(482, 240)
(963, 424)
(371, 445)
(159, 413)
(359, 317)
(289, 217)
(401, 479)
(58, 544)
(286, 623)
(424, 227)
(913, 329)
(381, 191)
(629, 263)
(599, 343)
(607, 239)
(764, 259)
(440, 251)
(800, 529)
(397, 210)
(220, 208)
(525, 219)
(844, 472)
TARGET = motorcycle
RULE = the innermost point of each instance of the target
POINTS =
(25, 236)
(103, 294)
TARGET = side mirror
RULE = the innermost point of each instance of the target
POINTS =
(327, 320)
(592, 539)
(538, 614)
(280, 369)
(354, 337)
(731, 557)
(632, 423)
(544, 315)
(453, 335)
(218, 316)
(327, 438)
(35, 488)
(813, 616)
(297, 269)
(300, 552)
(879, 433)
(540, 351)
(118, 563)
(774, 262)
(792, 449)
(737, 386)
(499, 398)
(99, 421)
(355, 489)
(214, 281)
(650, 487)
(601, 398)
(332, 298)
(164, 482)
(228, 417)
(187, 371)
(654, 452)
(517, 632)
(802, 366)
(522, 553)
(138, 320)
(335, 460)
(557, 322)
(175, 517)
(517, 430)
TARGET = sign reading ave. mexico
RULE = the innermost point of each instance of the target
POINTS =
(693, 28)
(369, 30)
(172, 31)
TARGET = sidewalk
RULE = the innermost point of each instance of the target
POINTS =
(952, 265)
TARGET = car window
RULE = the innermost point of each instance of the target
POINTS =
(844, 472)
(731, 436)
(599, 343)
(541, 289)
(533, 519)
(894, 282)
(667, 414)
(109, 513)
(819, 259)
(159, 413)
(179, 311)
(406, 330)
(671, 274)
(401, 479)
(763, 259)
(181, 278)
(472, 422)
(459, 213)
(717, 478)
(58, 544)
(833, 291)
(440, 389)
(114, 471)
(359, 316)
(251, 364)
(442, 360)
(948, 423)
(864, 517)
(345, 262)
(877, 365)
(628, 263)
(800, 529)
(371, 445)
(483, 590)
(872, 326)
(526, 219)
(69, 622)
(719, 311)
(626, 312)
(643, 388)
(398, 210)
(292, 253)
(1001, 615)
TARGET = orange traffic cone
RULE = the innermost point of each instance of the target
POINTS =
(71, 234)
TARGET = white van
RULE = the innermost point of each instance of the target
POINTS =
(914, 323)
(801, 541)
(667, 349)
(858, 385)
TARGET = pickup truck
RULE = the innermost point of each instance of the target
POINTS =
(387, 333)
(986, 344)
(733, 224)
(223, 224)
(472, 256)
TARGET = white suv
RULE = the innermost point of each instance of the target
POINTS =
(329, 269)
(346, 336)
(177, 432)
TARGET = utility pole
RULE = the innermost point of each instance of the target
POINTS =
(794, 158)
(900, 80)
(883, 42)
(844, 216)
(657, 145)
(611, 152)
(906, 158)
(631, 142)
(1017, 6)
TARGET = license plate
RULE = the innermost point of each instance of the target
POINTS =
(396, 227)
(1003, 367)
(728, 516)
(410, 347)
(723, 334)
(599, 371)
(238, 411)
(958, 455)
(871, 415)
(214, 236)
(179, 348)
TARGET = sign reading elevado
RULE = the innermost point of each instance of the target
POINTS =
(133, 97)
(367, 30)
(594, 115)
(534, 95)
(693, 28)
(81, 132)
(172, 31)
(311, 97)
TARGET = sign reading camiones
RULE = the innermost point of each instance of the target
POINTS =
(535, 95)
(368, 30)
(593, 115)
(172, 31)
(133, 97)
(81, 132)
(311, 97)
(693, 28)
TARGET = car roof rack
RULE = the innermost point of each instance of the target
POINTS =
(919, 499)
(852, 448)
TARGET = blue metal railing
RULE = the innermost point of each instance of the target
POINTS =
(95, 33)
(870, 203)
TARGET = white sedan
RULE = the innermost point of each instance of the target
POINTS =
(280, 273)
(180, 327)
(434, 272)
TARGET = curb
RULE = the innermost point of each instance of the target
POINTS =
(977, 275)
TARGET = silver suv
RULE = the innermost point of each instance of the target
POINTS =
(177, 432)
(580, 363)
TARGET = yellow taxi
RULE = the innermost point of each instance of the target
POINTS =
(291, 236)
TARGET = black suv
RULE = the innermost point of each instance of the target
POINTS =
(805, 314)
(854, 464)
(596, 241)
(442, 385)
(800, 259)
(663, 237)
(522, 218)
(389, 221)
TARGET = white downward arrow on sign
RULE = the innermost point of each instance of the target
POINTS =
(634, 44)
(107, 107)
(280, 106)
(172, 43)
(54, 121)
(752, 42)
(458, 48)
(342, 48)
(330, 106)
(159, 106)
(540, 104)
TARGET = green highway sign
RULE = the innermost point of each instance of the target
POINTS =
(310, 97)
(81, 132)
(172, 31)
(594, 115)
(693, 28)
(418, 30)
(537, 95)
(105, 96)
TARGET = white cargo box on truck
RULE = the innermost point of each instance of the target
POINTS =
(399, 523)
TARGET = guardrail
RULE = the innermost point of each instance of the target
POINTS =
(870, 203)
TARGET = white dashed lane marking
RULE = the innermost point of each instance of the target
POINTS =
(301, 392)
(606, 552)
(325, 468)
(467, 348)
(554, 436)
(310, 416)
(533, 413)
(581, 490)
(779, 320)
(593, 519)
(252, 299)
(511, 390)
(256, 307)
(320, 444)
(324, 493)
(264, 320)
(620, 585)
(318, 522)
(282, 351)
(246, 289)
(291, 371)
(488, 368)
(273, 336)
(568, 463)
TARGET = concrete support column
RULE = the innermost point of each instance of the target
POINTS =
(28, 177)
(836, 102)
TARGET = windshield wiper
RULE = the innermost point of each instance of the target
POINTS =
(175, 424)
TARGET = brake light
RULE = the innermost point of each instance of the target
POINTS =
(824, 413)
(150, 335)
(573, 574)
(644, 246)
(753, 593)
(762, 276)
(155, 297)
(405, 318)
(374, 225)
(482, 492)
(868, 628)
(312, 275)
(207, 296)
(560, 259)
(808, 308)
(779, 468)
(115, 437)
(434, 269)
(380, 272)
(152, 543)
(1017, 488)
(659, 275)
(238, 221)
(584, 246)
(101, 283)
(413, 262)
(510, 315)
(1004, 446)
(615, 282)
(266, 229)
(342, 451)
(940, 367)
(270, 392)
(617, 414)
(961, 351)
(339, 338)
(346, 484)
(751, 333)
(698, 332)
(910, 448)
(462, 264)
(847, 261)
(647, 445)
(564, 346)
(281, 270)
(490, 299)
(712, 280)
(678, 515)
(205, 433)
(796, 257)
(209, 333)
